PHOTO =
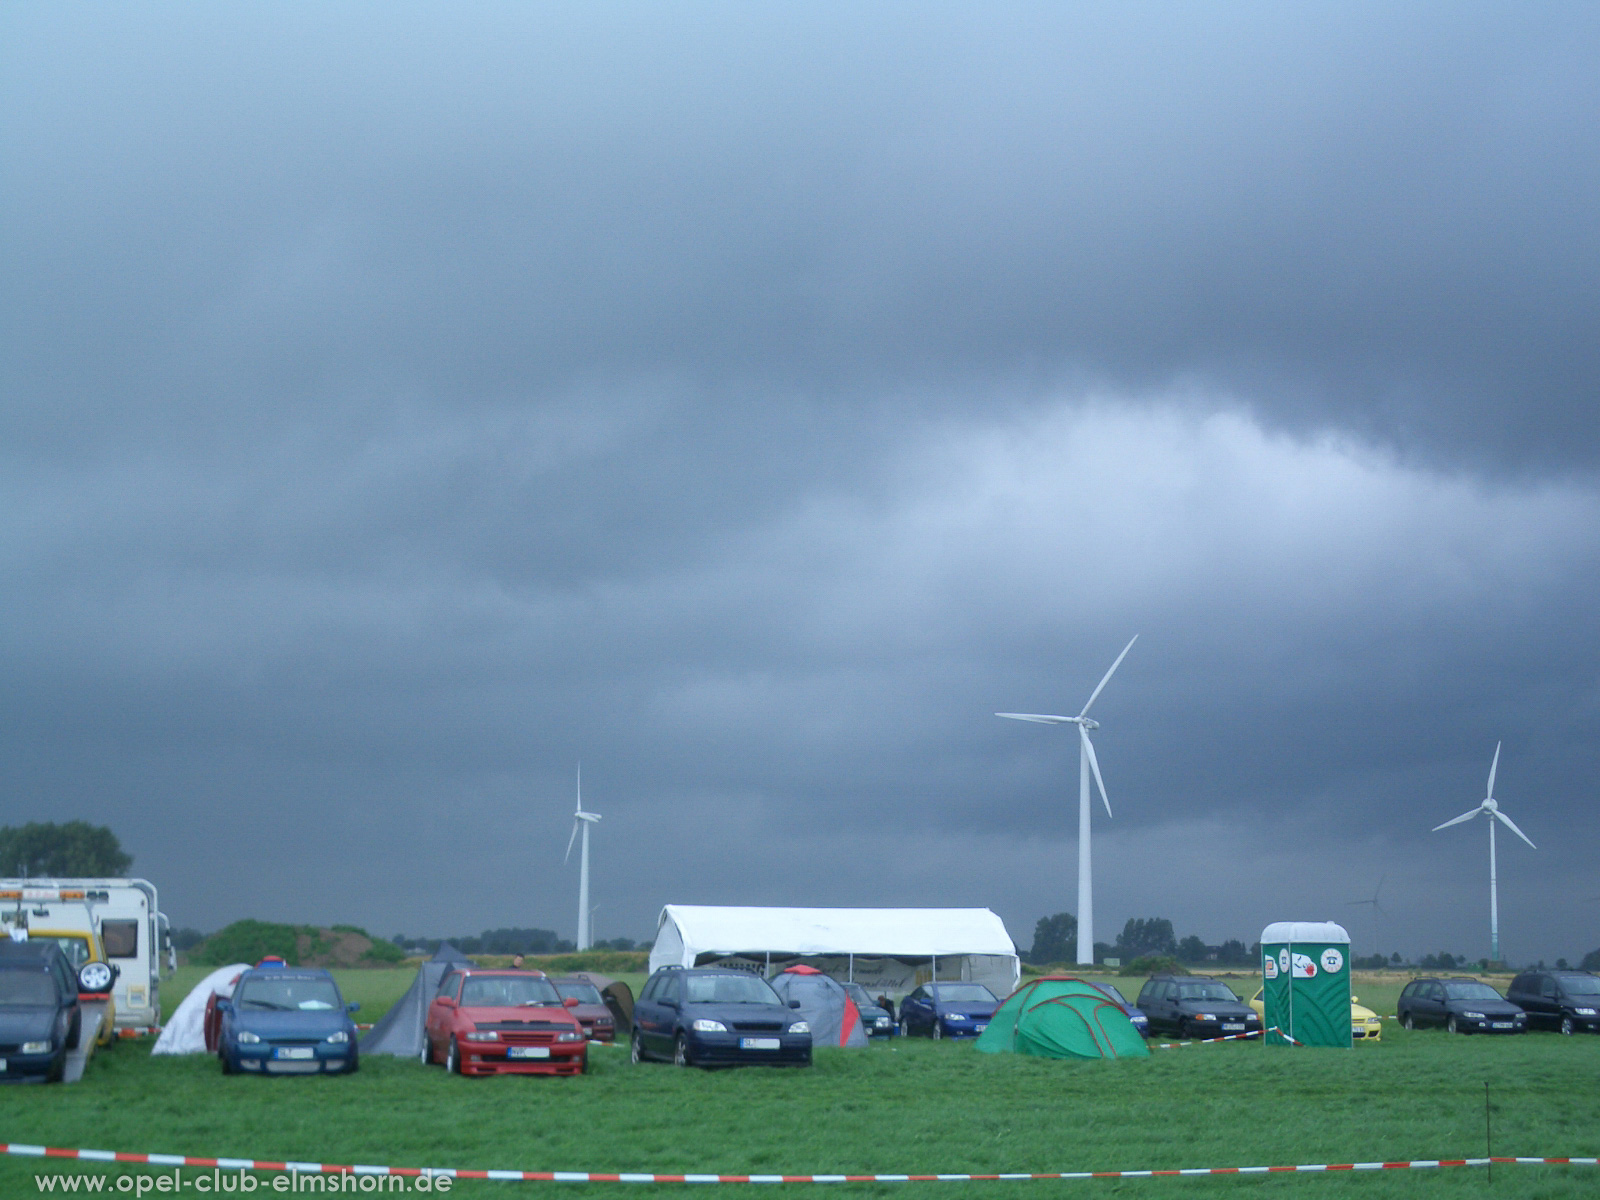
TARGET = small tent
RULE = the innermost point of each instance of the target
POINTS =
(185, 1030)
(617, 995)
(824, 1005)
(400, 1031)
(1059, 1016)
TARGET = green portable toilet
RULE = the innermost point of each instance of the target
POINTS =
(1305, 983)
(1059, 1016)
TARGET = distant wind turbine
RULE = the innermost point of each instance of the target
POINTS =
(582, 820)
(1086, 763)
(1377, 909)
(1491, 806)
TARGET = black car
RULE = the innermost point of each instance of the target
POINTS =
(1563, 1000)
(877, 1020)
(942, 1010)
(1194, 1006)
(40, 1017)
(1460, 1005)
(705, 1017)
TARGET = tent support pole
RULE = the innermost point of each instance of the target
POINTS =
(767, 974)
(852, 968)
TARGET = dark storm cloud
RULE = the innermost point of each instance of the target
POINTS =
(401, 406)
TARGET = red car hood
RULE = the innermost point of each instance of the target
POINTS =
(519, 1012)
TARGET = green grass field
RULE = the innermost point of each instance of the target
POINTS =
(915, 1107)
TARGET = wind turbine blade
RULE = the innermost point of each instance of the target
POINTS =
(1466, 816)
(1109, 674)
(570, 840)
(579, 808)
(1042, 718)
(1492, 767)
(1094, 766)
(1512, 825)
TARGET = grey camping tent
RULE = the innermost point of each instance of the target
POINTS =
(400, 1031)
(826, 1007)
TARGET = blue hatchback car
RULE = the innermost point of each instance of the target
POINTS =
(942, 1010)
(705, 1017)
(287, 1021)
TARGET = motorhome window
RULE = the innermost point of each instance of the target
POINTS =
(121, 938)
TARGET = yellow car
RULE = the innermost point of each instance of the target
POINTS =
(1364, 1023)
(81, 947)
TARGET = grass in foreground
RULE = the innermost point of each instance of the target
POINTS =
(911, 1106)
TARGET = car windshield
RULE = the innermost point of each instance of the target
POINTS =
(26, 989)
(859, 995)
(583, 993)
(728, 989)
(508, 991)
(294, 993)
(75, 948)
(1468, 990)
(962, 993)
(1206, 991)
(1580, 985)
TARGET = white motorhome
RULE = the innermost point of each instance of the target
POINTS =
(126, 917)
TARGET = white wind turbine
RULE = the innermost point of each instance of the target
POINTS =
(583, 820)
(1491, 806)
(1086, 763)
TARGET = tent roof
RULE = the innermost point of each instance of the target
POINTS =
(1303, 931)
(911, 932)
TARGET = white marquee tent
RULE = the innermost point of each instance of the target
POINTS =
(885, 949)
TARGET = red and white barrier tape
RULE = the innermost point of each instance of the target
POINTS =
(1232, 1037)
(310, 1168)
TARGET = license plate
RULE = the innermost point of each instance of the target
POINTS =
(1503, 1025)
(528, 1052)
(759, 1043)
(1236, 1028)
(980, 1028)
(294, 1052)
(2, 1064)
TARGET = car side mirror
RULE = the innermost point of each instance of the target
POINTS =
(224, 1005)
(96, 978)
(353, 1006)
(794, 1004)
(668, 1002)
(446, 1001)
(1355, 999)
(570, 1002)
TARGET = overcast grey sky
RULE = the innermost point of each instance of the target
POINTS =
(404, 402)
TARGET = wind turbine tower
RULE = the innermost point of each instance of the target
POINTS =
(1492, 807)
(582, 820)
(1087, 764)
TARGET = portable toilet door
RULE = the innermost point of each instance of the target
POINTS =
(1305, 983)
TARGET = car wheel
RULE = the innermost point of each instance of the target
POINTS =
(425, 1055)
(680, 1052)
(937, 1032)
(452, 1058)
(635, 1050)
(1450, 1024)
(1566, 1026)
(227, 1063)
(1408, 1021)
(58, 1069)
(905, 1027)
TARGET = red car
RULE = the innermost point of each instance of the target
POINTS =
(590, 1009)
(503, 1023)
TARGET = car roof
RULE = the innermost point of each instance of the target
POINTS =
(289, 973)
(27, 953)
(518, 972)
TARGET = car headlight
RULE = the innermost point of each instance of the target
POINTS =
(1475, 1016)
(570, 1035)
(1205, 1016)
(482, 1035)
(800, 1027)
(36, 1047)
(339, 1038)
(1584, 1012)
(707, 1025)
(955, 1016)
(246, 1038)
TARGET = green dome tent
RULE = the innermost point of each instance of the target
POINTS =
(1058, 1016)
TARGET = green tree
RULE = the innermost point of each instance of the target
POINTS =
(1055, 940)
(1144, 937)
(76, 848)
(1192, 950)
